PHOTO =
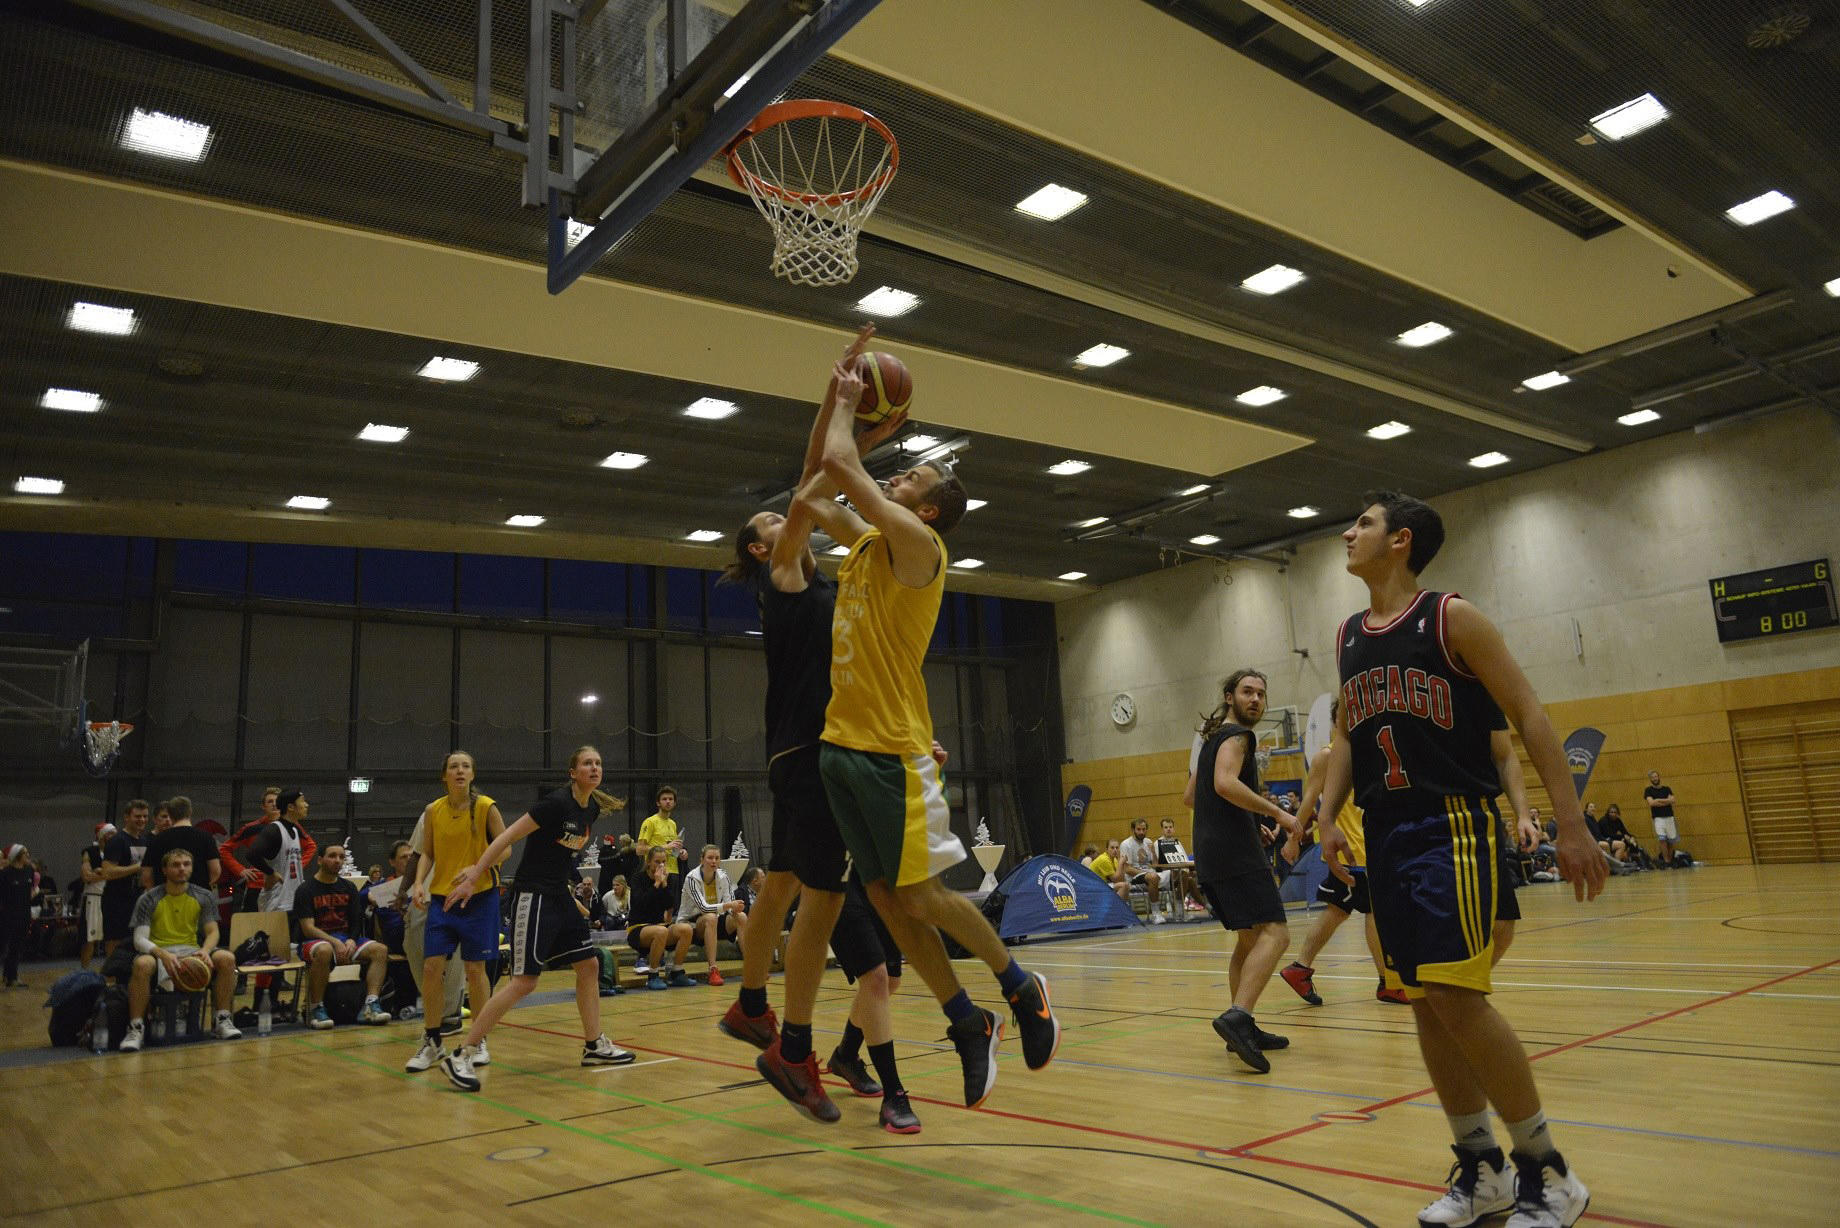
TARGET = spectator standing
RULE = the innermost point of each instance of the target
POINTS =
(121, 873)
(660, 830)
(18, 882)
(89, 872)
(1660, 799)
(180, 834)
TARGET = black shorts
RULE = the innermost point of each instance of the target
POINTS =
(805, 838)
(1435, 884)
(1245, 900)
(547, 931)
(1337, 894)
(1507, 908)
(118, 917)
(861, 941)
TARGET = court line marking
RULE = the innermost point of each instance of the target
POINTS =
(657, 1061)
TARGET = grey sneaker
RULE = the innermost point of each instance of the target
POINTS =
(134, 1037)
(458, 1066)
(1546, 1194)
(604, 1052)
(1480, 1186)
(226, 1028)
(428, 1055)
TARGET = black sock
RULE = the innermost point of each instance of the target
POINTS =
(432, 1035)
(851, 1044)
(794, 1042)
(883, 1057)
(753, 1001)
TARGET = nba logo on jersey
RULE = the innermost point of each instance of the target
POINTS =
(1421, 626)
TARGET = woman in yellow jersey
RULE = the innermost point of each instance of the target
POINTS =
(455, 831)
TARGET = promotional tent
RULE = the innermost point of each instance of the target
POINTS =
(1054, 895)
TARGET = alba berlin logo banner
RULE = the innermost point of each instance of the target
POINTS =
(1077, 801)
(1582, 746)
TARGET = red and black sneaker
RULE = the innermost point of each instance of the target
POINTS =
(852, 1071)
(797, 1083)
(1396, 996)
(757, 1030)
(1303, 980)
(898, 1116)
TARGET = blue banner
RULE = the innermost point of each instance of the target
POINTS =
(1582, 747)
(1056, 895)
(1076, 815)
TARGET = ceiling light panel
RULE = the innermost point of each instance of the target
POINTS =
(71, 400)
(381, 432)
(1051, 203)
(624, 460)
(452, 370)
(1304, 513)
(1757, 208)
(1488, 460)
(1069, 468)
(972, 505)
(711, 409)
(165, 136)
(1102, 355)
(1639, 417)
(1264, 394)
(38, 486)
(1388, 430)
(1629, 118)
(1204, 539)
(96, 318)
(887, 301)
(1202, 489)
(920, 443)
(1093, 523)
(704, 535)
(1071, 575)
(1274, 280)
(525, 522)
(309, 503)
(1549, 379)
(1428, 333)
(1832, 287)
(968, 564)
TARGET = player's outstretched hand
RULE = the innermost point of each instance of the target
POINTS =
(1581, 862)
(1335, 852)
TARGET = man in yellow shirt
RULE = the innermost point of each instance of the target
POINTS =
(1105, 865)
(660, 830)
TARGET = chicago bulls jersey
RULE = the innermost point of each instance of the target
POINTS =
(1418, 723)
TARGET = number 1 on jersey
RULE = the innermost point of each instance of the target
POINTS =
(1395, 771)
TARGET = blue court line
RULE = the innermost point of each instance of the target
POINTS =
(1694, 1138)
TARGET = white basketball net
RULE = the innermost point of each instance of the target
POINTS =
(815, 181)
(102, 742)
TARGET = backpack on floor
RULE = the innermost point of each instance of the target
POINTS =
(344, 999)
(72, 1000)
(1683, 860)
(610, 968)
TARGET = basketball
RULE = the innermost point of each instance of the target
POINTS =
(193, 973)
(887, 388)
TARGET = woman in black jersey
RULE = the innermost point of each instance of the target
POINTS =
(546, 927)
(653, 921)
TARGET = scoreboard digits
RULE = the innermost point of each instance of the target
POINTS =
(1757, 604)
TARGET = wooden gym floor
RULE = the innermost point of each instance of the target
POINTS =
(1679, 1028)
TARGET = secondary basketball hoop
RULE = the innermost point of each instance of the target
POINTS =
(102, 744)
(815, 170)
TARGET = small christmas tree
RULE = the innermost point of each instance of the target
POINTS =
(983, 833)
(739, 852)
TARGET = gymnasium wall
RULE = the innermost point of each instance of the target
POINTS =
(1622, 542)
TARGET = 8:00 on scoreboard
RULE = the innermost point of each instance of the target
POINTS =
(1754, 604)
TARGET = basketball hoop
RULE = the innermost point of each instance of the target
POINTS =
(815, 170)
(102, 745)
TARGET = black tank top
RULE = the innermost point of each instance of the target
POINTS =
(1227, 842)
(797, 630)
(1418, 724)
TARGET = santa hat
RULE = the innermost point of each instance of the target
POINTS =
(14, 850)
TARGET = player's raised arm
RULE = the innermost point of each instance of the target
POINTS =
(913, 551)
(1480, 649)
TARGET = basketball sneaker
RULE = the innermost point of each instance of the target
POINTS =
(1303, 980)
(1480, 1186)
(1235, 1027)
(760, 1031)
(458, 1066)
(678, 979)
(429, 1054)
(226, 1028)
(481, 1055)
(319, 1019)
(898, 1116)
(1269, 1040)
(852, 1071)
(1396, 996)
(976, 1039)
(715, 976)
(655, 981)
(1035, 1021)
(604, 1052)
(134, 1037)
(373, 1012)
(797, 1083)
(1546, 1194)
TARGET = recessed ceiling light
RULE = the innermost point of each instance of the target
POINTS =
(1388, 430)
(378, 432)
(705, 535)
(1200, 489)
(1832, 287)
(1754, 210)
(839, 551)
(972, 505)
(1203, 539)
(919, 443)
(590, 698)
(1264, 394)
(624, 460)
(166, 136)
(95, 318)
(1550, 379)
(887, 301)
(525, 522)
(1629, 118)
(1068, 468)
(71, 399)
(310, 503)
(968, 564)
(1639, 417)
(1089, 524)
(1488, 460)
(711, 408)
(1071, 575)
(1051, 203)
(1418, 4)
(451, 369)
(1102, 355)
(1303, 513)
(1428, 333)
(38, 486)
(1274, 280)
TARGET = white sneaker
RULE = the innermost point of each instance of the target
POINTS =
(480, 1056)
(430, 1053)
(643, 965)
(1546, 1194)
(134, 1037)
(458, 1067)
(604, 1052)
(1157, 918)
(1480, 1186)
(226, 1028)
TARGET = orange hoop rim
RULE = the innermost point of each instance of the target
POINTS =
(126, 727)
(810, 108)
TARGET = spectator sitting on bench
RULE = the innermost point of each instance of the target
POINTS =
(1139, 852)
(1106, 866)
(328, 912)
(653, 923)
(1613, 836)
(616, 904)
(1172, 856)
(708, 903)
(176, 919)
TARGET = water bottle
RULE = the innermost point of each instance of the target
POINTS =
(265, 1015)
(99, 1029)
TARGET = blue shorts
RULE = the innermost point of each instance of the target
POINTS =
(1434, 882)
(472, 929)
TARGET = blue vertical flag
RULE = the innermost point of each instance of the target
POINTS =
(1076, 815)
(1581, 751)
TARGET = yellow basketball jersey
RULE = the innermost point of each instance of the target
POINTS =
(458, 839)
(878, 641)
(1349, 820)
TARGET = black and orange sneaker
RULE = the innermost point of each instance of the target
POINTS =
(1396, 996)
(1040, 1030)
(976, 1039)
(760, 1031)
(797, 1083)
(852, 1071)
(1303, 980)
(898, 1116)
